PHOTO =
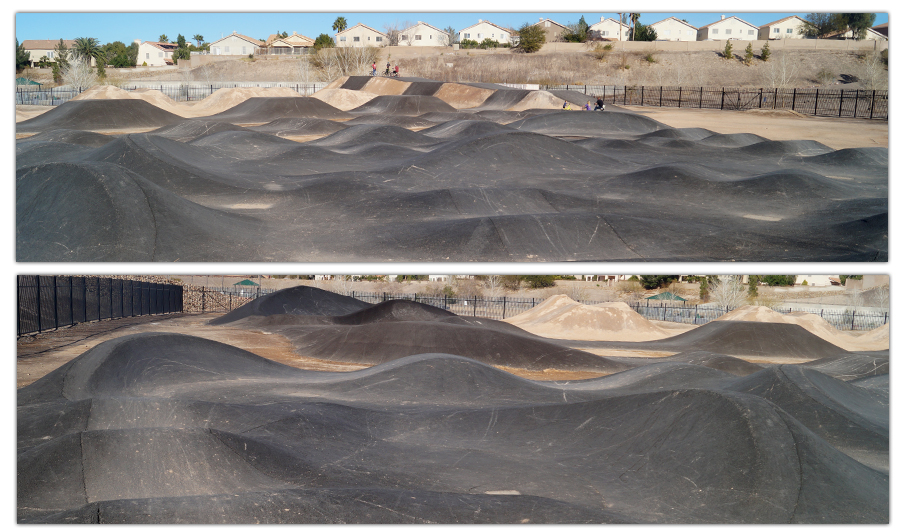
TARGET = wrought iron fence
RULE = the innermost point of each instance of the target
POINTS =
(47, 302)
(178, 91)
(841, 103)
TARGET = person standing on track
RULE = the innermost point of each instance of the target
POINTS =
(374, 69)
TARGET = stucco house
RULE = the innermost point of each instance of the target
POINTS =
(290, 45)
(360, 36)
(785, 28)
(486, 30)
(151, 53)
(674, 29)
(728, 28)
(871, 35)
(553, 31)
(817, 280)
(45, 48)
(423, 34)
(610, 29)
(236, 44)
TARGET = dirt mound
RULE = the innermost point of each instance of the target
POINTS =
(92, 115)
(301, 300)
(463, 96)
(562, 317)
(337, 83)
(871, 341)
(224, 99)
(386, 86)
(537, 100)
(344, 99)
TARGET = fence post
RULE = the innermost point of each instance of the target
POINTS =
(760, 97)
(872, 109)
(55, 306)
(701, 97)
(84, 299)
(229, 301)
(679, 97)
(504, 303)
(841, 104)
(722, 106)
(38, 283)
(852, 319)
(475, 307)
(855, 103)
(794, 99)
(532, 302)
(816, 104)
(71, 303)
(642, 95)
(660, 96)
(203, 300)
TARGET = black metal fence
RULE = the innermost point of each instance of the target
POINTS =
(47, 302)
(180, 92)
(839, 103)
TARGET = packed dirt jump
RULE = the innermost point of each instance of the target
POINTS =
(452, 172)
(171, 428)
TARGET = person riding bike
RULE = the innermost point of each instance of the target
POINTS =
(396, 71)
(599, 106)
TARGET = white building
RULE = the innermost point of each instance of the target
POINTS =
(360, 36)
(817, 280)
(423, 34)
(609, 29)
(290, 45)
(728, 28)
(486, 30)
(152, 53)
(674, 29)
(236, 44)
(786, 28)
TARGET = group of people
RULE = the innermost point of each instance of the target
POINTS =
(387, 71)
(587, 106)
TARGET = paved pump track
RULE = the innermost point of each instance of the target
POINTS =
(424, 171)
(171, 428)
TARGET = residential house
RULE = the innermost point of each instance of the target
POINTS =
(674, 29)
(786, 28)
(609, 29)
(290, 45)
(45, 48)
(817, 280)
(882, 29)
(553, 31)
(152, 53)
(728, 28)
(871, 35)
(236, 44)
(360, 36)
(486, 30)
(423, 34)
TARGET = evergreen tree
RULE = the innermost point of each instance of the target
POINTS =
(704, 289)
(23, 58)
(752, 286)
(531, 38)
(644, 33)
(748, 53)
(727, 53)
(323, 41)
(765, 54)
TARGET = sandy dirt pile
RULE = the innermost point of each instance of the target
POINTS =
(25, 112)
(344, 99)
(386, 86)
(538, 100)
(463, 96)
(153, 96)
(875, 340)
(562, 317)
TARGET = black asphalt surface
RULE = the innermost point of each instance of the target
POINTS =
(168, 428)
(483, 184)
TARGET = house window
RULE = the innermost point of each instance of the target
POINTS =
(776, 30)
(377, 39)
(403, 37)
(356, 39)
(243, 50)
(727, 32)
(502, 36)
(343, 38)
(790, 30)
(751, 32)
(715, 31)
(466, 35)
(603, 33)
(160, 54)
(431, 37)
(547, 24)
(479, 35)
(418, 37)
(227, 49)
(49, 55)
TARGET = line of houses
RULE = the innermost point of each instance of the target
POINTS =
(152, 53)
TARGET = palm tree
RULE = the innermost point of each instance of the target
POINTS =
(163, 38)
(199, 39)
(87, 48)
(340, 24)
(634, 18)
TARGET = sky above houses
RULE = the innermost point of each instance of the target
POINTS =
(128, 26)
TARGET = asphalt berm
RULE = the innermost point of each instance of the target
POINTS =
(171, 428)
(542, 184)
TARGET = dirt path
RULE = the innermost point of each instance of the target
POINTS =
(776, 125)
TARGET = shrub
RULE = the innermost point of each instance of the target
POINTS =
(531, 38)
(489, 43)
(728, 48)
(649, 57)
(468, 43)
(650, 282)
(824, 76)
(748, 53)
(766, 53)
(539, 281)
(779, 280)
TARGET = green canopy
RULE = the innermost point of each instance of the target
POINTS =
(26, 81)
(667, 295)
(246, 282)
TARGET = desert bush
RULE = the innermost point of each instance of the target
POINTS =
(727, 54)
(539, 281)
(748, 53)
(825, 76)
(765, 53)
(648, 57)
(768, 299)
(79, 75)
(728, 291)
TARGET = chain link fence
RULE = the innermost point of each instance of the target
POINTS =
(47, 302)
(840, 103)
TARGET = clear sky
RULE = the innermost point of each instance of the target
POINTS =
(126, 27)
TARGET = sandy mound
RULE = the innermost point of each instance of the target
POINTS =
(336, 84)
(26, 112)
(875, 340)
(224, 99)
(463, 96)
(562, 317)
(344, 99)
(386, 86)
(538, 100)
